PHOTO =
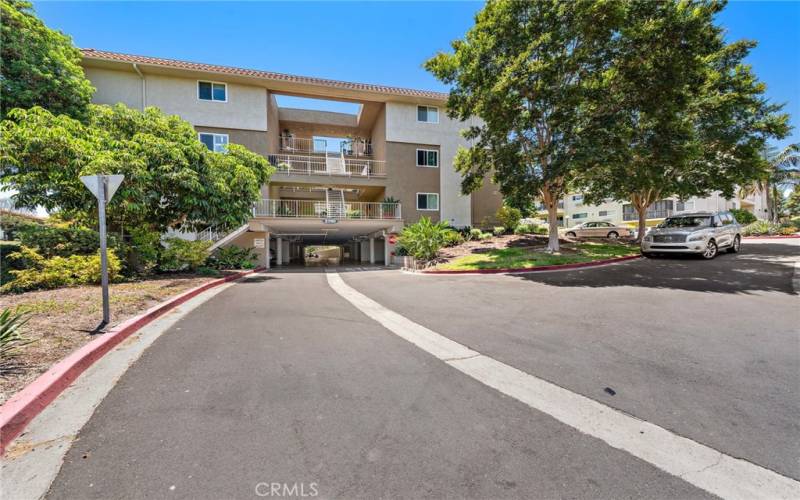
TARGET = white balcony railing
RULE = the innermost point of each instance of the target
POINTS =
(337, 165)
(304, 145)
(311, 209)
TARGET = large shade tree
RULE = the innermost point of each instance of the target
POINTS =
(683, 114)
(172, 181)
(40, 66)
(527, 71)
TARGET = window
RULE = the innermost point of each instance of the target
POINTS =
(427, 201)
(212, 91)
(427, 114)
(578, 198)
(727, 219)
(427, 158)
(580, 216)
(603, 213)
(215, 142)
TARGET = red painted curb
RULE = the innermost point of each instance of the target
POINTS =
(538, 269)
(18, 411)
(772, 237)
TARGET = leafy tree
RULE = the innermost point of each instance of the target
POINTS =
(171, 179)
(683, 114)
(527, 70)
(781, 171)
(793, 202)
(40, 66)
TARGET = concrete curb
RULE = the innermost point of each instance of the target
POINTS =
(772, 237)
(538, 269)
(25, 405)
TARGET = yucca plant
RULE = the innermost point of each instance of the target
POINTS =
(11, 338)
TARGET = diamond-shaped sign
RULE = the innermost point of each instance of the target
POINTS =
(109, 182)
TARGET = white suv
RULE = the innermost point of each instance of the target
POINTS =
(702, 233)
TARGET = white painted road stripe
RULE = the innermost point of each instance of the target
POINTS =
(700, 465)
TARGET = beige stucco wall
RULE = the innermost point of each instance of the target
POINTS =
(404, 179)
(273, 128)
(245, 109)
(379, 135)
(255, 141)
(485, 202)
(402, 126)
(115, 87)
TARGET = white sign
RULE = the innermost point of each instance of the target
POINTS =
(111, 183)
(258, 242)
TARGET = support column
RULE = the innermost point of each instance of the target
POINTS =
(385, 250)
(266, 253)
(371, 249)
(279, 255)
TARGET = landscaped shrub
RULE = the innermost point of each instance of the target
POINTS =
(232, 257)
(183, 255)
(743, 216)
(6, 265)
(50, 241)
(524, 229)
(509, 217)
(788, 230)
(453, 238)
(760, 227)
(11, 338)
(145, 246)
(42, 273)
(541, 230)
(499, 230)
(485, 236)
(475, 233)
(424, 239)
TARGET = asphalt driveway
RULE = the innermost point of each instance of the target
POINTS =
(707, 349)
(279, 380)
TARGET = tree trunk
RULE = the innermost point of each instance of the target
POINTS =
(642, 211)
(768, 200)
(552, 219)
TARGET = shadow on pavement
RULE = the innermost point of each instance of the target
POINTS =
(760, 267)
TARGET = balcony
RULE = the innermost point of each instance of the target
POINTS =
(300, 145)
(650, 214)
(339, 210)
(327, 164)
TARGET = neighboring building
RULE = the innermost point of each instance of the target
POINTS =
(347, 179)
(573, 211)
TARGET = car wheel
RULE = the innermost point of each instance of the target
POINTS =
(649, 255)
(737, 245)
(711, 250)
(613, 235)
(572, 234)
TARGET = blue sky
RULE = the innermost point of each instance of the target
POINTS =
(382, 42)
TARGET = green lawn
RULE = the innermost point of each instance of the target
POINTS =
(519, 258)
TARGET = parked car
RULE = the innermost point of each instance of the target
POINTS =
(702, 233)
(599, 229)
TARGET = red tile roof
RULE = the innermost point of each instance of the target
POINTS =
(269, 75)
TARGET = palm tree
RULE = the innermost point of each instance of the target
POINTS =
(782, 172)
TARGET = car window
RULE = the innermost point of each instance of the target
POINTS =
(605, 224)
(717, 221)
(590, 224)
(687, 221)
(726, 219)
(733, 218)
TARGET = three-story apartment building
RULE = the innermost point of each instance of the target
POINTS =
(348, 179)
